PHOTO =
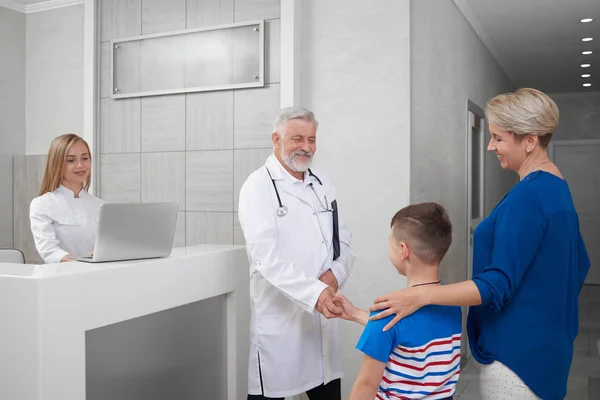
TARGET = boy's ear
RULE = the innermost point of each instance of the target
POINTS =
(405, 250)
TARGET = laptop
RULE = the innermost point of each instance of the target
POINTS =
(128, 231)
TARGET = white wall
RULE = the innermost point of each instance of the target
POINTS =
(579, 116)
(166, 143)
(54, 76)
(12, 111)
(449, 65)
(356, 78)
(12, 82)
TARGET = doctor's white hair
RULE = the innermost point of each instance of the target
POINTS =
(289, 113)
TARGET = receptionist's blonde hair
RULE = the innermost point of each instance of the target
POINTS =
(55, 163)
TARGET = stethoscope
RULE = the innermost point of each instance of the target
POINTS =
(283, 210)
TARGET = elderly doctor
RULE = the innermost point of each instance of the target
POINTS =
(299, 252)
(64, 217)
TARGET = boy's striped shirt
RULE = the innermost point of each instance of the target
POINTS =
(422, 353)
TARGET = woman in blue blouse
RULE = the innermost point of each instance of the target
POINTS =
(529, 264)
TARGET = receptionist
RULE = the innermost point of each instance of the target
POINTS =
(64, 216)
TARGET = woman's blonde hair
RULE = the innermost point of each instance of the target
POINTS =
(524, 112)
(55, 163)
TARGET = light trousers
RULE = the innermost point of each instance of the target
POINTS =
(498, 382)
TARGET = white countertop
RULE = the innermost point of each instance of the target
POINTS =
(37, 271)
(46, 309)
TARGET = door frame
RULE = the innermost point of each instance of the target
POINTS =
(475, 109)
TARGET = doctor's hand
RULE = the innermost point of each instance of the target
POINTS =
(326, 306)
(348, 309)
(329, 278)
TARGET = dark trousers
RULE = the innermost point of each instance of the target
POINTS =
(331, 391)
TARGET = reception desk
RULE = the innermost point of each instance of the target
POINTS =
(62, 323)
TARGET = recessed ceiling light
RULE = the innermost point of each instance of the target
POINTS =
(587, 39)
(586, 65)
(586, 75)
(586, 20)
(587, 52)
(587, 84)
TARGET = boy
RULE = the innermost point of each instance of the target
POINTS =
(418, 358)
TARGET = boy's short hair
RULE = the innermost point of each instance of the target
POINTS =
(426, 228)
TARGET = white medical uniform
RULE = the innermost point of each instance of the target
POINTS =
(293, 348)
(62, 224)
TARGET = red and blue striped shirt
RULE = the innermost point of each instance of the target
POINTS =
(421, 352)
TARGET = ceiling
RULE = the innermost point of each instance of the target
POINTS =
(538, 42)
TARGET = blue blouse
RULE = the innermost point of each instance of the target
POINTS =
(529, 264)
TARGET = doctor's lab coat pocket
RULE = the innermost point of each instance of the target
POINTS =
(271, 302)
(326, 224)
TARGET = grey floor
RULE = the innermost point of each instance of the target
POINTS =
(584, 379)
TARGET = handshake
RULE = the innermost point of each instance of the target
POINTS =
(331, 304)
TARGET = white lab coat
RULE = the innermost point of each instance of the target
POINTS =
(62, 224)
(296, 347)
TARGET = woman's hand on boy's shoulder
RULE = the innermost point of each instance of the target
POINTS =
(402, 303)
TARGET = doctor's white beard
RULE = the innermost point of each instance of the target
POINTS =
(291, 162)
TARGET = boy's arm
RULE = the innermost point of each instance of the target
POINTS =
(350, 312)
(361, 316)
(377, 347)
(368, 380)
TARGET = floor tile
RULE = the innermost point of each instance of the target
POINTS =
(589, 293)
(471, 370)
(594, 388)
(595, 311)
(594, 343)
(470, 392)
(578, 389)
(585, 368)
(461, 385)
(581, 345)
